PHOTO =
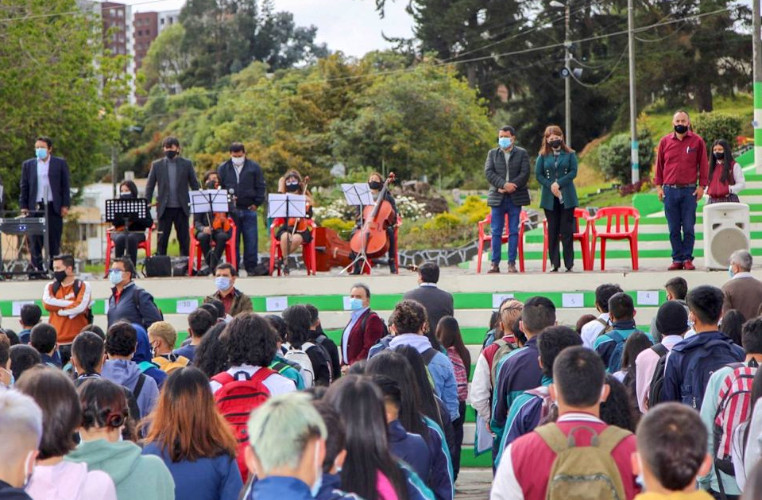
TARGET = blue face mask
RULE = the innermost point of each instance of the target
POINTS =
(115, 276)
(730, 270)
(504, 142)
(355, 304)
(41, 153)
(222, 283)
(316, 487)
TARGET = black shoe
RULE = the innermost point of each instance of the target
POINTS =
(495, 269)
(286, 270)
(569, 269)
(554, 269)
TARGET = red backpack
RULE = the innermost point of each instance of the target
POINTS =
(733, 408)
(236, 399)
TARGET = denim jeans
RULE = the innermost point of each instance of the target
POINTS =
(680, 209)
(246, 228)
(497, 225)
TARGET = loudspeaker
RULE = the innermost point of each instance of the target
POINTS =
(726, 229)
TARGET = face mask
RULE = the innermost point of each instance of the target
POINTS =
(681, 129)
(222, 283)
(211, 185)
(59, 276)
(555, 144)
(719, 156)
(318, 474)
(41, 153)
(238, 161)
(291, 187)
(170, 154)
(504, 142)
(355, 304)
(375, 185)
(115, 276)
(730, 271)
(639, 480)
(27, 472)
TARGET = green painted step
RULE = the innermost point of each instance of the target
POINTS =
(538, 237)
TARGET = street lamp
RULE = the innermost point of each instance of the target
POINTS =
(567, 61)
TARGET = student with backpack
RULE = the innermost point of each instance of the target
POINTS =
(610, 344)
(671, 454)
(250, 344)
(121, 344)
(44, 339)
(163, 337)
(289, 369)
(578, 456)
(409, 320)
(318, 336)
(727, 404)
(694, 360)
(676, 289)
(298, 320)
(535, 407)
(593, 329)
(672, 321)
(188, 433)
(128, 301)
(519, 371)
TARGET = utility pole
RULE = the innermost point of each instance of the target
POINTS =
(634, 159)
(757, 56)
(567, 65)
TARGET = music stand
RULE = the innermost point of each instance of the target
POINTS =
(286, 206)
(206, 201)
(358, 195)
(120, 209)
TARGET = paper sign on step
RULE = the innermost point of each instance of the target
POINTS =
(573, 300)
(18, 304)
(276, 304)
(186, 306)
(498, 298)
(648, 297)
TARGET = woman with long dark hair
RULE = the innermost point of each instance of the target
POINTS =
(104, 414)
(448, 334)
(555, 170)
(726, 178)
(193, 439)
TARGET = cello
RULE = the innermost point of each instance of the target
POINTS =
(372, 239)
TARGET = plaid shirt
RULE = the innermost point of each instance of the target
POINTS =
(461, 374)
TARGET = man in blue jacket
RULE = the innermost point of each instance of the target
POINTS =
(45, 188)
(128, 301)
(691, 362)
(243, 178)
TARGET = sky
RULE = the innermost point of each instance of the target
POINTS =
(351, 26)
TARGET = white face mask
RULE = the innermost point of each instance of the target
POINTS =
(28, 473)
(238, 161)
(315, 489)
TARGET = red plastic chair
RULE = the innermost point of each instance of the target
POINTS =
(308, 250)
(145, 245)
(581, 234)
(195, 255)
(625, 227)
(486, 236)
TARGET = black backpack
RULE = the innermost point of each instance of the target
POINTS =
(364, 323)
(657, 381)
(77, 287)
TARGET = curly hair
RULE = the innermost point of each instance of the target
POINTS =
(121, 339)
(249, 340)
(409, 316)
(298, 321)
(211, 356)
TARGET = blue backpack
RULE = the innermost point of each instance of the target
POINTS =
(704, 361)
(615, 362)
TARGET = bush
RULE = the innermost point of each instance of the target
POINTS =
(442, 222)
(474, 208)
(614, 157)
(341, 226)
(714, 126)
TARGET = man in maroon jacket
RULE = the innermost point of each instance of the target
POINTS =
(365, 328)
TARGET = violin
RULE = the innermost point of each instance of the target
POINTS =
(300, 223)
(221, 221)
(372, 237)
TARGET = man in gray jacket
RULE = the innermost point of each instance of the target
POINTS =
(176, 178)
(507, 171)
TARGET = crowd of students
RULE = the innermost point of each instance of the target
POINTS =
(267, 407)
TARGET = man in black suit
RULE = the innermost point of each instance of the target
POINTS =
(45, 182)
(244, 176)
(437, 303)
(176, 178)
(507, 171)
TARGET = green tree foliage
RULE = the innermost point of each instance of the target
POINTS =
(224, 36)
(50, 86)
(165, 61)
(715, 126)
(614, 157)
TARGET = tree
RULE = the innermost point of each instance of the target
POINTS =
(165, 61)
(223, 37)
(51, 86)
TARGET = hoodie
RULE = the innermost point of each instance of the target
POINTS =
(70, 481)
(143, 357)
(8, 492)
(440, 368)
(126, 374)
(135, 475)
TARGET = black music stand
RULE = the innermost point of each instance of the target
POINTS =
(129, 209)
(358, 195)
(14, 224)
(207, 201)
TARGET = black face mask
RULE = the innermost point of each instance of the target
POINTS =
(59, 276)
(292, 187)
(555, 144)
(375, 185)
(681, 129)
(125, 195)
(211, 185)
(719, 156)
(170, 154)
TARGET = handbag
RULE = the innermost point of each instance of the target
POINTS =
(157, 266)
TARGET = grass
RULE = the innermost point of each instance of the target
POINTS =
(658, 120)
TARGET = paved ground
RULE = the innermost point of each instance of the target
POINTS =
(473, 484)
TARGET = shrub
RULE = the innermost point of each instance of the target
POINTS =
(474, 208)
(341, 226)
(614, 157)
(714, 126)
(443, 222)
